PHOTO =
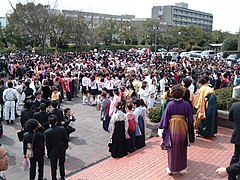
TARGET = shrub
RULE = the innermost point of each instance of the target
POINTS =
(224, 98)
(154, 114)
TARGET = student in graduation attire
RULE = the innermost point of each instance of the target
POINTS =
(118, 128)
(140, 125)
(57, 144)
(175, 121)
(36, 140)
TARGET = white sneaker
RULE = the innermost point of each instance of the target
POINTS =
(168, 171)
(182, 172)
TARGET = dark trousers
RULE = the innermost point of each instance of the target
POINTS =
(68, 94)
(60, 159)
(69, 130)
(131, 141)
(32, 171)
(235, 158)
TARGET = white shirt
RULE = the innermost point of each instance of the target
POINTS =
(100, 85)
(143, 93)
(162, 83)
(10, 94)
(93, 84)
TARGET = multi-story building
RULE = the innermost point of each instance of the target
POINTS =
(180, 15)
(94, 18)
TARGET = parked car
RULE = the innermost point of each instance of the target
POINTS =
(184, 54)
(234, 58)
(195, 57)
(210, 54)
(196, 51)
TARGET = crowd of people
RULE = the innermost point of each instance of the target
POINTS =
(125, 86)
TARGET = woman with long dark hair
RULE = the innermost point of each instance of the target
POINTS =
(118, 128)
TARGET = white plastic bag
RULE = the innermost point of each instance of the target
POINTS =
(25, 164)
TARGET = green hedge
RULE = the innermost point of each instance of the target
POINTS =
(154, 114)
(224, 98)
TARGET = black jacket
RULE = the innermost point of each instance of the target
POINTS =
(56, 140)
(38, 144)
(28, 92)
(36, 104)
(234, 170)
(234, 114)
(42, 118)
(59, 113)
(25, 115)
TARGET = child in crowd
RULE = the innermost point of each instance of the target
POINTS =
(56, 95)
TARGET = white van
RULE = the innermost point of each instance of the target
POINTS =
(208, 54)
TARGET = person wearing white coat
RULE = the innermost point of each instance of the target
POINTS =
(151, 94)
(143, 92)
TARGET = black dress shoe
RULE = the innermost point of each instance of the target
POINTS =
(7, 122)
(12, 122)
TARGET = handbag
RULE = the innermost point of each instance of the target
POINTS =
(20, 135)
(29, 153)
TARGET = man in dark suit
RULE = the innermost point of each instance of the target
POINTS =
(57, 144)
(57, 112)
(38, 100)
(68, 117)
(42, 116)
(27, 112)
(234, 114)
(36, 139)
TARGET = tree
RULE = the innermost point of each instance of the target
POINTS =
(125, 32)
(149, 31)
(2, 38)
(33, 21)
(77, 31)
(57, 29)
(107, 31)
(230, 44)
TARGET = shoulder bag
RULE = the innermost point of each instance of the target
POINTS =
(29, 153)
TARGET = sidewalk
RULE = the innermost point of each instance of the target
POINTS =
(149, 163)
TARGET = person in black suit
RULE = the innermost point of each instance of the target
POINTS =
(35, 139)
(68, 117)
(27, 91)
(57, 144)
(234, 114)
(42, 116)
(38, 100)
(57, 112)
(27, 112)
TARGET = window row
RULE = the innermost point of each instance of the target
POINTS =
(194, 14)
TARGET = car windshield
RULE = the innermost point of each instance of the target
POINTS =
(232, 56)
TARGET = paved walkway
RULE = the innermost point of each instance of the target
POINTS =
(149, 163)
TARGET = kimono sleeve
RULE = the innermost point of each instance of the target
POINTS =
(164, 123)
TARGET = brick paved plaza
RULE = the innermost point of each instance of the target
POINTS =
(89, 145)
(149, 163)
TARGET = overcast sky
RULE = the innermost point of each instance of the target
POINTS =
(226, 13)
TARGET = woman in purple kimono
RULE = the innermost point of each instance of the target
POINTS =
(175, 120)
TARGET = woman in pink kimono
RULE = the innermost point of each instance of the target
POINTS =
(67, 86)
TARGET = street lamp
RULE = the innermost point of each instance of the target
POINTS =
(155, 43)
